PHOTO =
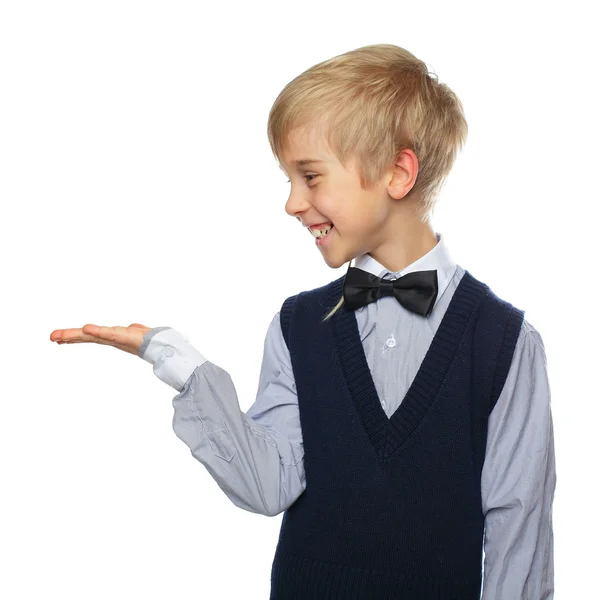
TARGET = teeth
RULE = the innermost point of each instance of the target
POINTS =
(321, 233)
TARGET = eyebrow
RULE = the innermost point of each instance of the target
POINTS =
(306, 161)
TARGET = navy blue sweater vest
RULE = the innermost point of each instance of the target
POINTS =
(392, 507)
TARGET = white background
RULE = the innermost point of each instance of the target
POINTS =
(136, 180)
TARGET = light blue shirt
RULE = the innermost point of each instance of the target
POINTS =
(256, 457)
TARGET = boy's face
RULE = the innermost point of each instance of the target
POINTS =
(327, 192)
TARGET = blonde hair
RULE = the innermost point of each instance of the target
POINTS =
(373, 102)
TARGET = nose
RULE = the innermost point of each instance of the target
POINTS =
(296, 204)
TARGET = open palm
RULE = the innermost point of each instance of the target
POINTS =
(129, 339)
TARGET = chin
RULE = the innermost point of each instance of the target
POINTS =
(333, 263)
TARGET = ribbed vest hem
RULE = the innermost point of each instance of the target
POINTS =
(295, 577)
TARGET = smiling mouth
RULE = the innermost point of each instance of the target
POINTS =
(321, 233)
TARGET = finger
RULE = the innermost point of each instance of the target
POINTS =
(116, 334)
(93, 333)
(119, 337)
(82, 338)
(71, 336)
(101, 342)
(140, 326)
(64, 334)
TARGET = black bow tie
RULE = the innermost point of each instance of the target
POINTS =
(416, 291)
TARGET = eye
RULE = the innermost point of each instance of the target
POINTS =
(313, 176)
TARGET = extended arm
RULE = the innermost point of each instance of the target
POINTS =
(255, 457)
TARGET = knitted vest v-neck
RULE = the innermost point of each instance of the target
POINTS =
(392, 507)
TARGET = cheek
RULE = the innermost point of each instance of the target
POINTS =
(371, 210)
(329, 205)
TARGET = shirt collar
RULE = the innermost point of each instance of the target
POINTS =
(438, 258)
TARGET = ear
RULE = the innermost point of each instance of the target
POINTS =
(403, 174)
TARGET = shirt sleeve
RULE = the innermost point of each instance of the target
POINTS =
(249, 455)
(518, 480)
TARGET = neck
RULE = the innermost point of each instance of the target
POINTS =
(404, 242)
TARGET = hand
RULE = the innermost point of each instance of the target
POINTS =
(129, 339)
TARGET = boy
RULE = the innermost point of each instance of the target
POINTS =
(402, 420)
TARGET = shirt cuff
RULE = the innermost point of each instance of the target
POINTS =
(171, 355)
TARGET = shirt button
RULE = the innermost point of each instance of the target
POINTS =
(168, 352)
(390, 343)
